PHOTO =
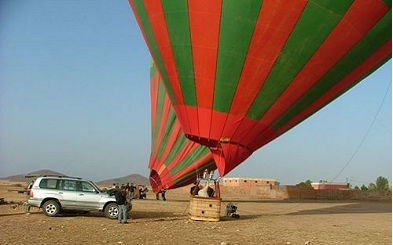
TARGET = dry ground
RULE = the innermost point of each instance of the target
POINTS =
(159, 222)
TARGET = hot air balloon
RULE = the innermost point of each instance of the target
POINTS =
(175, 161)
(242, 73)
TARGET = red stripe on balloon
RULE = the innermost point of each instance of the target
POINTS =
(154, 86)
(379, 56)
(157, 21)
(348, 32)
(172, 138)
(205, 16)
(356, 75)
(205, 161)
(163, 122)
(273, 27)
(153, 99)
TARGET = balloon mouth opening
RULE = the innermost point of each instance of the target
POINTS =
(212, 143)
(227, 154)
(155, 181)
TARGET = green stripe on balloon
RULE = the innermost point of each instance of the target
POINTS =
(177, 21)
(235, 37)
(305, 39)
(198, 153)
(370, 43)
(148, 31)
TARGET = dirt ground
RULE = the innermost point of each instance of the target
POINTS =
(167, 222)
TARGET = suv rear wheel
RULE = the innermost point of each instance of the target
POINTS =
(112, 210)
(51, 208)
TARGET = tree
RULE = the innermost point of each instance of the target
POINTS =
(372, 187)
(364, 188)
(382, 183)
(306, 183)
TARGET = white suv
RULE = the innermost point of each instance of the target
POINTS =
(57, 193)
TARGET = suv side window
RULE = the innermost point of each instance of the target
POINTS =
(69, 185)
(48, 183)
(86, 187)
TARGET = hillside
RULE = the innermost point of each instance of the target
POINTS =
(27, 176)
(132, 178)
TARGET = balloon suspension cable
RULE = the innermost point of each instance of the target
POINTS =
(366, 134)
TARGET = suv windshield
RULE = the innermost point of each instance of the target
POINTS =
(96, 187)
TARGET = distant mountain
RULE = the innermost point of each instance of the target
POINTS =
(132, 178)
(137, 179)
(27, 177)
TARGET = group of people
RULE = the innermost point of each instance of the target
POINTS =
(202, 191)
(142, 192)
(124, 196)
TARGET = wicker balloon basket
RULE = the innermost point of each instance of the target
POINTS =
(205, 208)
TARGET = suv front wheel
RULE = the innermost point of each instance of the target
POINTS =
(112, 210)
(51, 208)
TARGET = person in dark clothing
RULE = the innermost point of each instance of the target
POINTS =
(131, 190)
(163, 191)
(121, 200)
(194, 190)
(210, 192)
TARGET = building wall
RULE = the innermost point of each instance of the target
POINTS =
(286, 192)
(250, 182)
(329, 186)
(302, 193)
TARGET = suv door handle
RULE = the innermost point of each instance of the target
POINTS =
(81, 194)
(60, 192)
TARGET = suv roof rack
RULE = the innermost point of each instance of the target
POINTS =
(44, 175)
(54, 175)
(61, 176)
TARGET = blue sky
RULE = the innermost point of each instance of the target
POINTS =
(74, 98)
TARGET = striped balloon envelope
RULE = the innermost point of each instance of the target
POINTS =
(240, 73)
(175, 161)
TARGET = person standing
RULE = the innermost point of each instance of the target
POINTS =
(122, 206)
(195, 189)
(132, 190)
(129, 197)
(27, 207)
(163, 191)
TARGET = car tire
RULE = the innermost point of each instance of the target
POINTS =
(111, 211)
(51, 208)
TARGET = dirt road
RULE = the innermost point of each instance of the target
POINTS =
(159, 222)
